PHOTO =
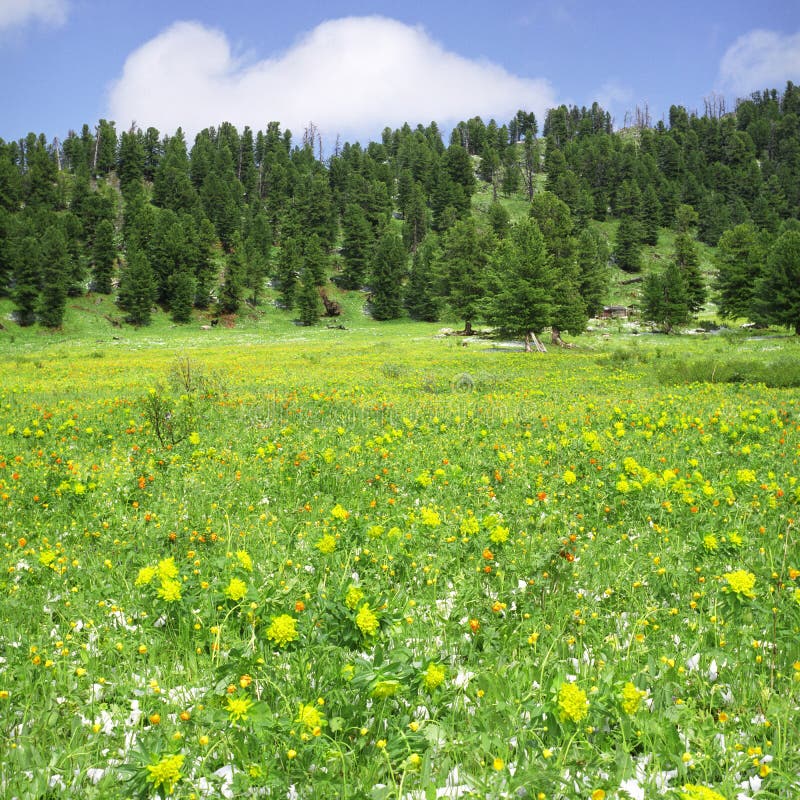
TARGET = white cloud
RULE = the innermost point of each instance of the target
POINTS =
(351, 76)
(760, 60)
(15, 13)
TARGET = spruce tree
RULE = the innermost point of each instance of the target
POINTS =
(739, 258)
(26, 259)
(55, 277)
(387, 275)
(519, 300)
(290, 264)
(309, 305)
(666, 301)
(421, 300)
(356, 247)
(651, 215)
(592, 257)
(315, 260)
(626, 247)
(232, 290)
(137, 290)
(104, 253)
(182, 291)
(779, 288)
(688, 262)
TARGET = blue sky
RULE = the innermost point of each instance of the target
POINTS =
(353, 67)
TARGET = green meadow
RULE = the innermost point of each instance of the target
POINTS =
(379, 562)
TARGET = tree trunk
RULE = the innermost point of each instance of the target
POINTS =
(468, 328)
(555, 338)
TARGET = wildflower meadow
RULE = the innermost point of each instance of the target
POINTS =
(389, 566)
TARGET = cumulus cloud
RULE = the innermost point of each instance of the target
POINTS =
(15, 13)
(761, 60)
(351, 76)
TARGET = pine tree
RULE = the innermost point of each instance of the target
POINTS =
(26, 258)
(290, 264)
(182, 291)
(779, 288)
(309, 305)
(592, 256)
(387, 275)
(688, 262)
(315, 260)
(104, 253)
(232, 290)
(739, 258)
(666, 301)
(651, 215)
(137, 291)
(356, 247)
(421, 300)
(55, 269)
(626, 247)
(463, 258)
(519, 300)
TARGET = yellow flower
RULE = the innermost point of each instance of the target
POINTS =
(170, 590)
(367, 621)
(499, 534)
(167, 568)
(430, 517)
(746, 476)
(710, 542)
(469, 526)
(282, 630)
(631, 698)
(572, 702)
(741, 582)
(498, 764)
(384, 689)
(194, 438)
(353, 597)
(244, 560)
(327, 544)
(434, 676)
(309, 716)
(569, 477)
(598, 794)
(339, 512)
(146, 574)
(236, 589)
(238, 707)
(166, 772)
(693, 791)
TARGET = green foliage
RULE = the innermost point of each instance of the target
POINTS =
(104, 255)
(666, 298)
(55, 269)
(137, 291)
(309, 304)
(386, 279)
(779, 289)
(627, 250)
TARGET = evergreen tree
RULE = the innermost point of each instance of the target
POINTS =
(232, 290)
(387, 275)
(592, 256)
(415, 214)
(512, 174)
(55, 277)
(651, 215)
(779, 288)
(499, 219)
(315, 260)
(290, 264)
(688, 262)
(421, 300)
(666, 301)
(137, 290)
(519, 298)
(309, 305)
(626, 247)
(26, 258)
(182, 291)
(104, 253)
(356, 247)
(259, 255)
(464, 255)
(131, 160)
(205, 272)
(739, 258)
